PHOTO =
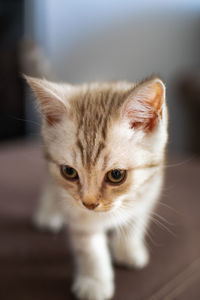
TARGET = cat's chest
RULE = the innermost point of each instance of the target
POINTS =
(90, 221)
(87, 221)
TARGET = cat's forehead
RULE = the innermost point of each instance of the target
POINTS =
(93, 108)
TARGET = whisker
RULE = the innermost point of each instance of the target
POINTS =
(169, 207)
(180, 163)
(162, 226)
(162, 218)
(25, 120)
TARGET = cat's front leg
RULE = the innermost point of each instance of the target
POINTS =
(94, 274)
(128, 244)
(48, 214)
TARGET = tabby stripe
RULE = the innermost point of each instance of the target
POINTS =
(100, 148)
(80, 146)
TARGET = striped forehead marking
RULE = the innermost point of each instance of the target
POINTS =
(93, 114)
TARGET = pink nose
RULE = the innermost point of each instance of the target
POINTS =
(90, 205)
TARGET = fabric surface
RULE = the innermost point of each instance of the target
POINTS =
(38, 265)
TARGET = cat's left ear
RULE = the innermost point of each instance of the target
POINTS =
(143, 108)
(51, 99)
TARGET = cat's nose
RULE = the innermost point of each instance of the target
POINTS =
(90, 205)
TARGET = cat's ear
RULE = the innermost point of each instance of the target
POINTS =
(50, 96)
(144, 106)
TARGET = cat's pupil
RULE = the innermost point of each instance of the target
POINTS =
(116, 174)
(69, 171)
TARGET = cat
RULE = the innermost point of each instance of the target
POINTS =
(105, 147)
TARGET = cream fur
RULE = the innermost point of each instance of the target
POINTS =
(128, 215)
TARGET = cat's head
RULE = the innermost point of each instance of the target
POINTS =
(97, 136)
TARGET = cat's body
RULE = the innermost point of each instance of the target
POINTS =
(105, 149)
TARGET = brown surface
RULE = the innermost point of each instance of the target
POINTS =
(37, 265)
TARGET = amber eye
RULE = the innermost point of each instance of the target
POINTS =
(116, 176)
(69, 173)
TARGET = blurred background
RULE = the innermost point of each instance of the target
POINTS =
(79, 41)
(89, 40)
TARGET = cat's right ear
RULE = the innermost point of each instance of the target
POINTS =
(144, 107)
(50, 97)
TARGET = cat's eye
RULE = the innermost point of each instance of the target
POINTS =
(116, 176)
(69, 173)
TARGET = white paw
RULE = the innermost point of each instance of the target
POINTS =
(129, 255)
(88, 288)
(140, 257)
(47, 221)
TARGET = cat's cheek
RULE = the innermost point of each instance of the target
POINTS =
(55, 172)
(115, 195)
(110, 203)
(70, 187)
(118, 202)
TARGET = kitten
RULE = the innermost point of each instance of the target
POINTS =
(105, 146)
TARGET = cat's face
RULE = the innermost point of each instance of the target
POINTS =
(101, 139)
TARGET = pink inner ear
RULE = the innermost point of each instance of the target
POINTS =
(50, 96)
(147, 124)
(135, 125)
(157, 101)
(52, 111)
(52, 120)
(144, 107)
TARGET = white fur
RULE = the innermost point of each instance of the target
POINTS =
(48, 215)
(94, 277)
(129, 214)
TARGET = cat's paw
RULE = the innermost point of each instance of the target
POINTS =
(45, 221)
(88, 288)
(140, 257)
(136, 256)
